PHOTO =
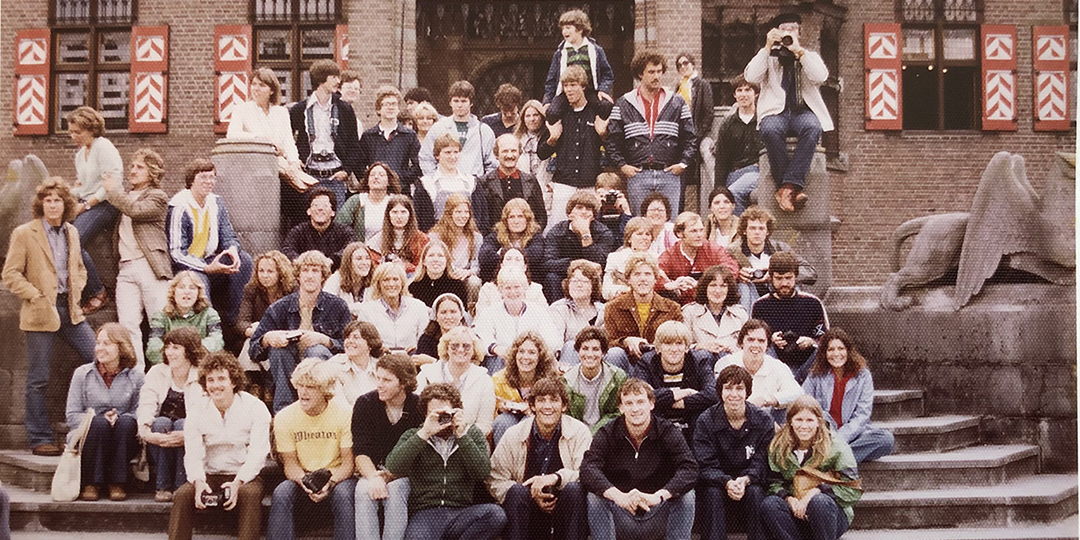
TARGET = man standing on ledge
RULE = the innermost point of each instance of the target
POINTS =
(790, 104)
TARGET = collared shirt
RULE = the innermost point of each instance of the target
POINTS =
(58, 244)
(652, 109)
(444, 446)
(511, 184)
(542, 456)
(236, 442)
(323, 143)
(353, 381)
(105, 375)
(390, 312)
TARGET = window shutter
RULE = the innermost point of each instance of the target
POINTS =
(149, 79)
(341, 46)
(31, 109)
(232, 66)
(883, 77)
(1051, 63)
(999, 77)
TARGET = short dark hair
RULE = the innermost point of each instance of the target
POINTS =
(750, 326)
(188, 338)
(443, 391)
(586, 198)
(713, 273)
(590, 333)
(223, 360)
(740, 81)
(634, 385)
(653, 197)
(461, 89)
(643, 58)
(734, 374)
(783, 262)
(549, 386)
(507, 97)
(687, 56)
(401, 365)
(349, 75)
(322, 192)
(369, 333)
(321, 70)
(197, 165)
(418, 94)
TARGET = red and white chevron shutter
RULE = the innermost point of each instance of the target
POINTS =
(1051, 63)
(232, 67)
(149, 79)
(999, 77)
(341, 46)
(31, 111)
(883, 76)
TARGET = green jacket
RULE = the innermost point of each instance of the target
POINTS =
(207, 322)
(352, 215)
(609, 397)
(435, 483)
(782, 474)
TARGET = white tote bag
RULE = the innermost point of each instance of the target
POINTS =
(68, 476)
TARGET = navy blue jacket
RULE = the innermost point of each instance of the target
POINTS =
(672, 141)
(346, 141)
(401, 153)
(697, 374)
(724, 453)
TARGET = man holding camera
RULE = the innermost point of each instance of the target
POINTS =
(534, 470)
(790, 103)
(773, 387)
(798, 319)
(445, 459)
(752, 248)
(314, 441)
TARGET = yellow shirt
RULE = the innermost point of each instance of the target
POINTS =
(317, 440)
(643, 316)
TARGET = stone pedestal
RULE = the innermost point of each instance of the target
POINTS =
(809, 230)
(1008, 356)
(247, 171)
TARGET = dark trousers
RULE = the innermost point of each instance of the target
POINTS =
(108, 449)
(717, 506)
(825, 520)
(476, 522)
(101, 218)
(169, 462)
(526, 521)
(248, 508)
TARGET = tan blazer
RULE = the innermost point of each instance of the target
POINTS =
(147, 214)
(30, 273)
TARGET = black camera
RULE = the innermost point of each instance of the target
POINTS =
(781, 49)
(609, 205)
(791, 338)
(550, 490)
(758, 274)
(647, 347)
(445, 417)
(315, 481)
(216, 498)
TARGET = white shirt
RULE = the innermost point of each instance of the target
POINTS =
(772, 380)
(236, 443)
(495, 326)
(477, 391)
(274, 125)
(353, 381)
(374, 214)
(401, 332)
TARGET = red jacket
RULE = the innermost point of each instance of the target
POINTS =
(675, 264)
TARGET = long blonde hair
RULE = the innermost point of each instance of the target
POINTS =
(201, 303)
(785, 441)
(450, 233)
(502, 232)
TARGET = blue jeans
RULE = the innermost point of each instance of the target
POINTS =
(101, 218)
(39, 346)
(774, 130)
(395, 511)
(871, 444)
(717, 506)
(741, 183)
(476, 522)
(107, 450)
(825, 520)
(289, 495)
(336, 186)
(282, 363)
(647, 181)
(168, 461)
(618, 357)
(228, 288)
(672, 519)
(526, 521)
(503, 422)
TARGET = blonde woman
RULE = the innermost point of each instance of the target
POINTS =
(187, 304)
(424, 116)
(460, 354)
(399, 318)
(435, 276)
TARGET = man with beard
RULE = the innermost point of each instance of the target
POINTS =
(798, 319)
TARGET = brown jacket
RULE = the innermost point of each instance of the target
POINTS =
(30, 273)
(147, 214)
(621, 317)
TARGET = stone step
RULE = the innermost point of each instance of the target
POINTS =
(23, 469)
(971, 466)
(933, 433)
(897, 404)
(1033, 499)
(1065, 529)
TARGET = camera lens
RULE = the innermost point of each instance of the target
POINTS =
(786, 41)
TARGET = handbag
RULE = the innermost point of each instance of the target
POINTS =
(808, 478)
(68, 476)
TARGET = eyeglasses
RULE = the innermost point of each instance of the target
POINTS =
(460, 346)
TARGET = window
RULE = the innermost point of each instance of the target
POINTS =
(291, 34)
(941, 75)
(92, 58)
(1071, 15)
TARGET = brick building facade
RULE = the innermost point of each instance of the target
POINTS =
(880, 178)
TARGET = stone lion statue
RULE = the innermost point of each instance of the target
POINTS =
(23, 177)
(1009, 225)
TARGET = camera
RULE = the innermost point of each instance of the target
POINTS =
(216, 498)
(315, 481)
(445, 417)
(227, 259)
(550, 490)
(609, 205)
(781, 49)
(790, 338)
(647, 347)
(758, 274)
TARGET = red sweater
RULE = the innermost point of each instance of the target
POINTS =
(675, 264)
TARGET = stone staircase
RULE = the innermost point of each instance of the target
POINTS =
(941, 484)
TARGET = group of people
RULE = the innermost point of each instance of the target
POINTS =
(450, 308)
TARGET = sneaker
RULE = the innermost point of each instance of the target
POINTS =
(47, 449)
(116, 493)
(163, 496)
(89, 493)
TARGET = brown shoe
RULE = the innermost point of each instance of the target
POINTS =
(784, 199)
(116, 493)
(800, 200)
(163, 496)
(95, 303)
(89, 493)
(47, 449)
